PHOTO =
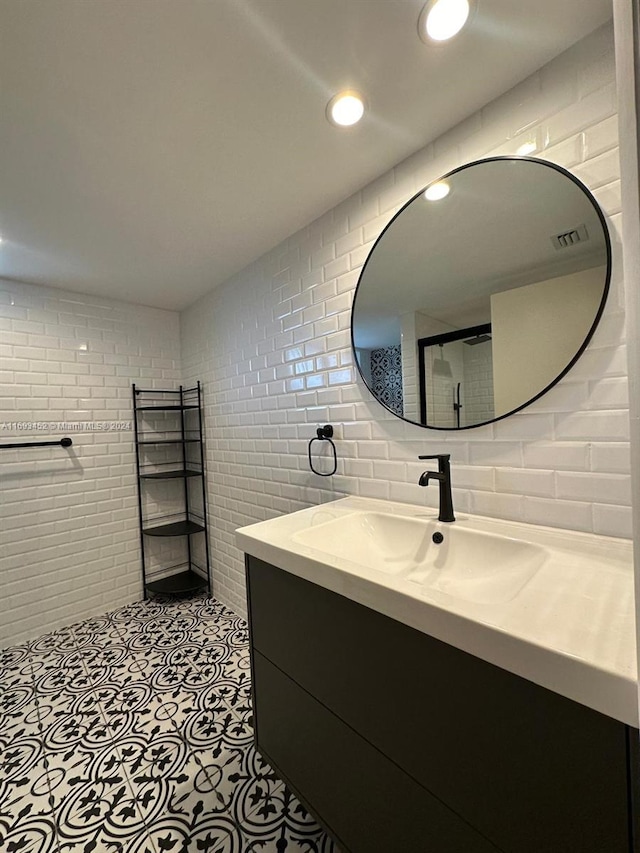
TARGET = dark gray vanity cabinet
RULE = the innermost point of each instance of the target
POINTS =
(398, 742)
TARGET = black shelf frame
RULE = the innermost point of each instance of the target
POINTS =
(187, 576)
(178, 583)
(165, 408)
(167, 440)
(174, 528)
(170, 475)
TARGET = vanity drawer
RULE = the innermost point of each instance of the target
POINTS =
(531, 770)
(364, 800)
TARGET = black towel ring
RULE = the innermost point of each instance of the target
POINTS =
(324, 433)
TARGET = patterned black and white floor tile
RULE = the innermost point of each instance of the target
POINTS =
(132, 733)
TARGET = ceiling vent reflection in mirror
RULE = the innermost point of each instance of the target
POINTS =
(570, 238)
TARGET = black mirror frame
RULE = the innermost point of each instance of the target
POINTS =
(589, 334)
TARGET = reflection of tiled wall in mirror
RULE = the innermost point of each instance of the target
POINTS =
(386, 377)
(409, 355)
(477, 391)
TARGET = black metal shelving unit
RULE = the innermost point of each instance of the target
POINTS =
(169, 448)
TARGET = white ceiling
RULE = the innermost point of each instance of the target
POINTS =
(152, 148)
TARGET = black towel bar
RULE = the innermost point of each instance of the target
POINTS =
(61, 442)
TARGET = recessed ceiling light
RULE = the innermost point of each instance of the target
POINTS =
(346, 108)
(441, 20)
(437, 191)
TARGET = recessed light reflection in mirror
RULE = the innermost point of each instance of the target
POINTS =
(437, 191)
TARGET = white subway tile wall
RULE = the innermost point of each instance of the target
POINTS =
(69, 543)
(272, 346)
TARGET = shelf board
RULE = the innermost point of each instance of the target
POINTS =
(169, 407)
(171, 475)
(175, 528)
(169, 441)
(182, 582)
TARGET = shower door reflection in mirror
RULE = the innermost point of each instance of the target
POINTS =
(456, 378)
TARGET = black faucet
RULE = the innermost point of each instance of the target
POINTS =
(443, 476)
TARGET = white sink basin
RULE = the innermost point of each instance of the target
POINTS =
(554, 606)
(472, 565)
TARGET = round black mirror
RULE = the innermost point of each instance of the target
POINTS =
(481, 293)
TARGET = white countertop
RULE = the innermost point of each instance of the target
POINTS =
(571, 628)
